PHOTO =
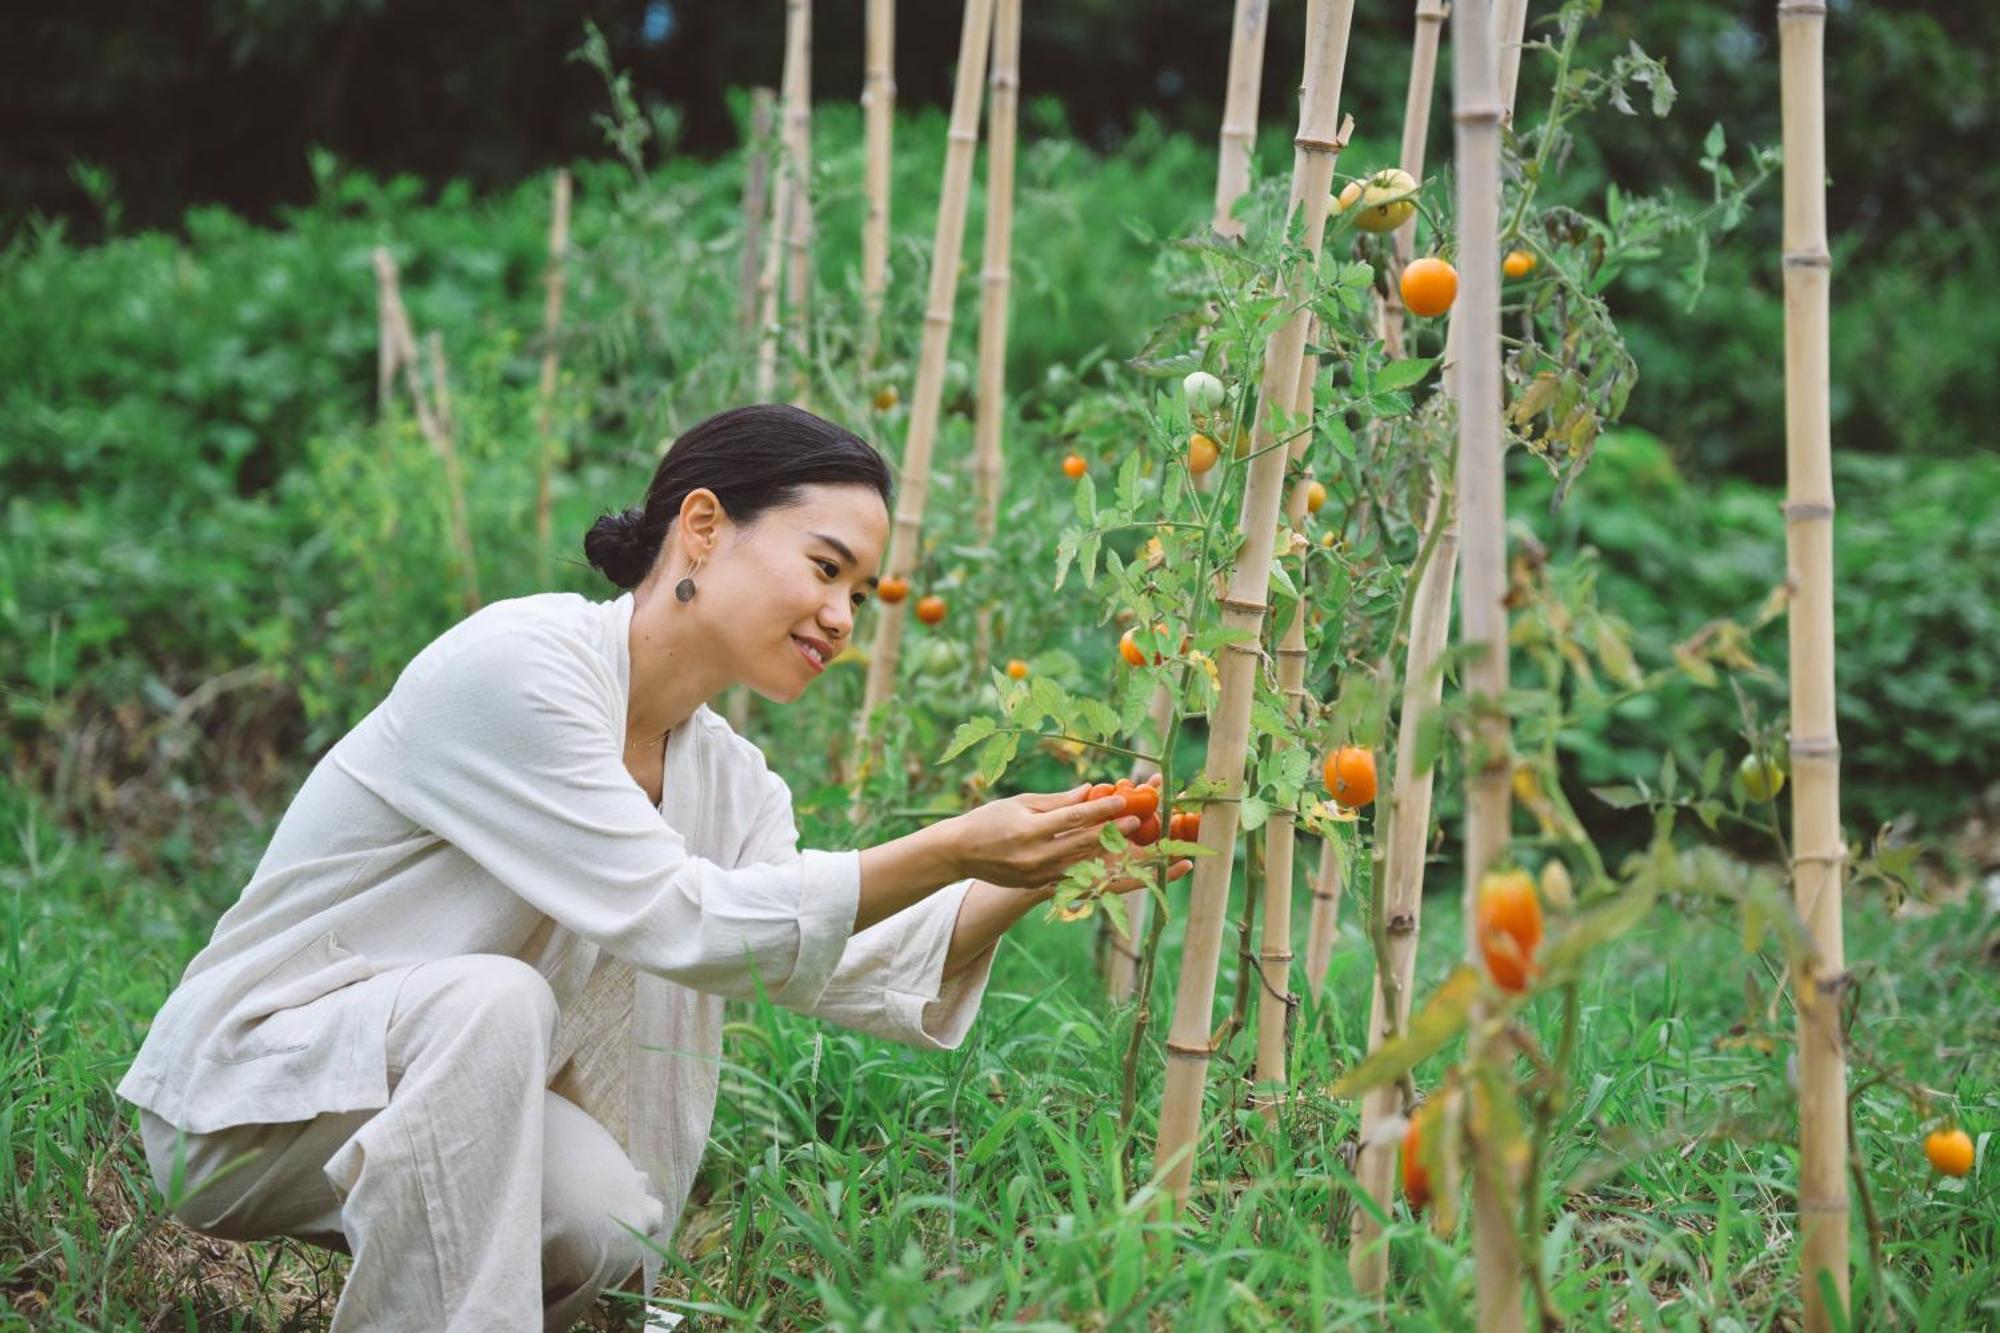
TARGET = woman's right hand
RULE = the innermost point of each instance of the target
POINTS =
(1027, 841)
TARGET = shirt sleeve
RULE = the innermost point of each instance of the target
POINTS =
(889, 981)
(505, 749)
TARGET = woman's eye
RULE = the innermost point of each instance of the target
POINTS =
(832, 570)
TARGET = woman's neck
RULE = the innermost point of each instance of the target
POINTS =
(674, 666)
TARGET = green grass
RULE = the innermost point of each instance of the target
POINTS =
(856, 1184)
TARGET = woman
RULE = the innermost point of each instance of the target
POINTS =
(465, 1019)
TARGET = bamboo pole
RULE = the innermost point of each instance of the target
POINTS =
(1510, 26)
(1404, 833)
(878, 101)
(799, 231)
(545, 425)
(756, 205)
(1483, 582)
(1275, 1001)
(995, 278)
(1323, 924)
(1237, 140)
(788, 184)
(1188, 1048)
(433, 409)
(1818, 855)
(1416, 131)
(1239, 111)
(928, 394)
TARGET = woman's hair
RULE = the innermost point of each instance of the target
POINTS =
(754, 458)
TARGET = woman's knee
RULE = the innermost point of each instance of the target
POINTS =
(591, 1192)
(491, 993)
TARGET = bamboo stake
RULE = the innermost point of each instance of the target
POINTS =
(788, 184)
(1243, 607)
(1483, 580)
(1323, 925)
(433, 409)
(756, 204)
(798, 241)
(1510, 25)
(1819, 855)
(1275, 1001)
(1402, 836)
(995, 277)
(1121, 948)
(1239, 111)
(878, 101)
(551, 362)
(928, 394)
(1416, 131)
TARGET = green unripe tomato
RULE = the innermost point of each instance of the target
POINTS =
(1203, 391)
(1760, 779)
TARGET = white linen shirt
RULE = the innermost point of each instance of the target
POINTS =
(484, 807)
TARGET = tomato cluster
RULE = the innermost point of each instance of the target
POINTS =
(1141, 800)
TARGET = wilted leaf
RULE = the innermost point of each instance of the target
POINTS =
(1443, 1017)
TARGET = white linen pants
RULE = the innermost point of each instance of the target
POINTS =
(475, 1200)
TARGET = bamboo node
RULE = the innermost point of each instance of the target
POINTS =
(999, 81)
(1803, 9)
(1808, 258)
(1178, 1051)
(1324, 896)
(1236, 604)
(1402, 923)
(1814, 747)
(1823, 1203)
(1807, 509)
(1294, 652)
(962, 136)
(1487, 114)
(937, 316)
(1833, 983)
(1275, 956)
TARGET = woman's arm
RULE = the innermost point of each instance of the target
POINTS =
(987, 913)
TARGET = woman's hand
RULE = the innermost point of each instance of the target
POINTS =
(1027, 841)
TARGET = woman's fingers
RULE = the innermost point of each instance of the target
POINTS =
(1088, 814)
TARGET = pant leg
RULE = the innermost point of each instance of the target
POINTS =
(590, 1190)
(475, 1199)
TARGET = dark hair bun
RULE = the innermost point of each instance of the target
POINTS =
(616, 548)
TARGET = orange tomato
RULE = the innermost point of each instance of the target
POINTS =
(1129, 649)
(893, 589)
(1429, 286)
(1350, 776)
(1508, 922)
(1315, 497)
(1141, 798)
(1185, 826)
(1518, 264)
(1100, 791)
(1416, 1178)
(930, 609)
(1148, 831)
(1017, 669)
(1203, 453)
(1074, 467)
(1950, 1151)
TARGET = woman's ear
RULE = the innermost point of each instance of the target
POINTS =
(701, 522)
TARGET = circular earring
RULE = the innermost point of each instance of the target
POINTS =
(684, 590)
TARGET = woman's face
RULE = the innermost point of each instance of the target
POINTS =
(779, 597)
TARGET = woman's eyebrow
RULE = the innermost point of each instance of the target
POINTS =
(842, 549)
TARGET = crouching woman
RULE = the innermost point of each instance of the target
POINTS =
(464, 1021)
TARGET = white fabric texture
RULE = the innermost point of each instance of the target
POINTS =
(484, 808)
